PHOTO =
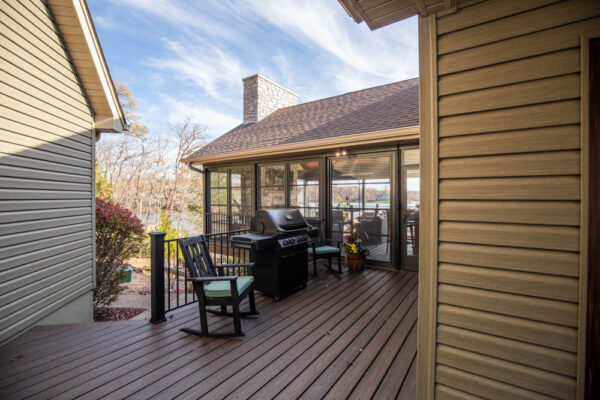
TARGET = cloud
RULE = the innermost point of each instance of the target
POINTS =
(216, 122)
(209, 67)
(322, 25)
(349, 82)
(183, 15)
(105, 22)
(187, 58)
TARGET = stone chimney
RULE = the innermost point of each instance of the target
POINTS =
(262, 97)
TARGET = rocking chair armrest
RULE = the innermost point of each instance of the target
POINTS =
(213, 278)
(235, 265)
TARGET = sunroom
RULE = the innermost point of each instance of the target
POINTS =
(349, 162)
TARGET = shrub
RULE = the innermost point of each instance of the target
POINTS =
(165, 224)
(118, 236)
(104, 189)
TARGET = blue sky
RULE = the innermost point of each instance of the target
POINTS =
(187, 58)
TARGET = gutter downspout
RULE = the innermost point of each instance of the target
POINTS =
(204, 194)
(191, 166)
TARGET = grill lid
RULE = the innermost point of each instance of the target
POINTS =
(280, 220)
(253, 240)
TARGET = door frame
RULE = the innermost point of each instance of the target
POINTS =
(401, 206)
(589, 331)
(394, 201)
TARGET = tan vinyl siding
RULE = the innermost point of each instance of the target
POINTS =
(46, 180)
(509, 185)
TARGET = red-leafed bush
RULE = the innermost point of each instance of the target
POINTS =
(119, 234)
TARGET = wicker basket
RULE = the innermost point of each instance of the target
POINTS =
(355, 262)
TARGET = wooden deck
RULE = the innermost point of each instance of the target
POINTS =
(348, 336)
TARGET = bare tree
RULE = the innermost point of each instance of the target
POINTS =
(145, 170)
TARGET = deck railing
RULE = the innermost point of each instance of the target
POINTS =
(170, 284)
(222, 222)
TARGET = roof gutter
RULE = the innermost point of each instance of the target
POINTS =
(384, 136)
(196, 169)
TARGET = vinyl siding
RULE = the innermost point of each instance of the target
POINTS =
(509, 191)
(46, 161)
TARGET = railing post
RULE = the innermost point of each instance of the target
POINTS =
(157, 277)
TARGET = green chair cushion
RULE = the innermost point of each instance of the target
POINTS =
(223, 288)
(322, 250)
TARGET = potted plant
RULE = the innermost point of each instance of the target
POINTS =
(356, 253)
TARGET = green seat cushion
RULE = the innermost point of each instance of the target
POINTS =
(324, 250)
(223, 288)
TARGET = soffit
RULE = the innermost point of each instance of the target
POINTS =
(379, 13)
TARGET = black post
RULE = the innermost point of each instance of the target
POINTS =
(157, 276)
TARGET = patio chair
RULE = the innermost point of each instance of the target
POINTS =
(214, 287)
(322, 247)
(370, 229)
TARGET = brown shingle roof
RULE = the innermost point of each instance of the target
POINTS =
(391, 106)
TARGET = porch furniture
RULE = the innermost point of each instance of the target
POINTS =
(337, 221)
(322, 247)
(411, 227)
(370, 227)
(416, 237)
(278, 247)
(214, 287)
(412, 224)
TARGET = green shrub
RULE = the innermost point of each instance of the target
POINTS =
(165, 224)
(104, 188)
(118, 236)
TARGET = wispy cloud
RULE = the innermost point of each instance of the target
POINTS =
(183, 15)
(187, 58)
(207, 66)
(319, 25)
(216, 122)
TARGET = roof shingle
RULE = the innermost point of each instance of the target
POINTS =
(391, 106)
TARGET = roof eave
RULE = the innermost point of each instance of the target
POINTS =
(108, 123)
(352, 10)
(383, 136)
(108, 114)
(396, 10)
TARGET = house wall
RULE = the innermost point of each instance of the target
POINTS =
(501, 167)
(46, 181)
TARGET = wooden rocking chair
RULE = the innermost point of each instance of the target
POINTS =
(214, 287)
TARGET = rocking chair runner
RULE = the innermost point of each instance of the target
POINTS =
(214, 288)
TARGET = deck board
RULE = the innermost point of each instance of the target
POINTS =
(348, 336)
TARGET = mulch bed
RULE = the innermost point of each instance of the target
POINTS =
(116, 313)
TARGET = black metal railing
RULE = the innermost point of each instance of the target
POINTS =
(223, 223)
(170, 284)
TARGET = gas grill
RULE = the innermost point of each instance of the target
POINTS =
(278, 246)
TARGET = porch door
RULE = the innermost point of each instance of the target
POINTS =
(410, 208)
(360, 198)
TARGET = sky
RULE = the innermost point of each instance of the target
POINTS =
(186, 59)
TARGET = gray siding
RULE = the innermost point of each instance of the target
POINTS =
(46, 165)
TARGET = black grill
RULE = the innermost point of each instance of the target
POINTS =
(278, 246)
